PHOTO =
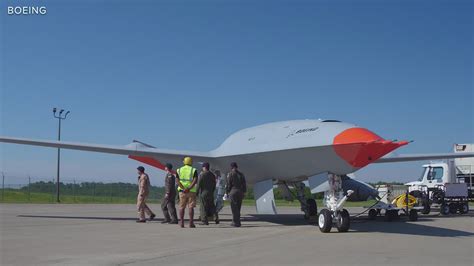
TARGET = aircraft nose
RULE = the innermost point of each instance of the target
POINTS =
(360, 147)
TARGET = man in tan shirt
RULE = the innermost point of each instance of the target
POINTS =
(143, 191)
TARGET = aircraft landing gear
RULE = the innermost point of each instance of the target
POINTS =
(311, 209)
(308, 206)
(325, 220)
(334, 214)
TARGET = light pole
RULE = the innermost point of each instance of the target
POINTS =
(60, 116)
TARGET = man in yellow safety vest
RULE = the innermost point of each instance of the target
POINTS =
(186, 177)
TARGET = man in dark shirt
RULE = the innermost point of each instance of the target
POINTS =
(168, 202)
(236, 188)
(205, 189)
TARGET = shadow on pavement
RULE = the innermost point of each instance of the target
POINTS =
(359, 224)
(407, 228)
(103, 218)
(82, 217)
(281, 219)
(362, 224)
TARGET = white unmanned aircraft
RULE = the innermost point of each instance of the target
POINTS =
(317, 150)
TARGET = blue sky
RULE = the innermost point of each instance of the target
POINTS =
(186, 74)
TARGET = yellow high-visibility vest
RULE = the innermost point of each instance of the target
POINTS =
(186, 174)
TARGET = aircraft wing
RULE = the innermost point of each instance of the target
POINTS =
(135, 149)
(423, 157)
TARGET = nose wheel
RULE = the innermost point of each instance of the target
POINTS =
(334, 214)
(325, 220)
(343, 221)
(340, 219)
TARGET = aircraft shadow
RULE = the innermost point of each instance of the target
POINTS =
(106, 218)
(280, 219)
(82, 217)
(404, 227)
(363, 224)
(358, 224)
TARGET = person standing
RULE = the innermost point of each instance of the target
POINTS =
(236, 188)
(168, 202)
(220, 188)
(186, 177)
(205, 188)
(143, 191)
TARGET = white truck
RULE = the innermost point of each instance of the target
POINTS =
(448, 184)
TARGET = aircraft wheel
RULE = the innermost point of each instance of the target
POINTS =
(444, 209)
(312, 207)
(426, 208)
(453, 208)
(325, 220)
(343, 221)
(373, 214)
(413, 215)
(464, 208)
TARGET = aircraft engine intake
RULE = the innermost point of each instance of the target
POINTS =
(362, 191)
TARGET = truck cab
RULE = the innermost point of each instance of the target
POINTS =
(434, 175)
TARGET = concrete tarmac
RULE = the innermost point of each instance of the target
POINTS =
(108, 235)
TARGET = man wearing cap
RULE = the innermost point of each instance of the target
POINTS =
(186, 177)
(168, 202)
(205, 187)
(236, 188)
(143, 191)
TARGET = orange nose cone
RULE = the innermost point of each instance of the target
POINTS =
(360, 147)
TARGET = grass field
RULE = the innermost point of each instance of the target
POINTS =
(17, 196)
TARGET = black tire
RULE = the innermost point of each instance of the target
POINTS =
(444, 209)
(373, 214)
(413, 215)
(438, 197)
(426, 208)
(453, 208)
(325, 220)
(343, 221)
(464, 208)
(391, 215)
(312, 207)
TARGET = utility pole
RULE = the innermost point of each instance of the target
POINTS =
(29, 188)
(60, 117)
(3, 186)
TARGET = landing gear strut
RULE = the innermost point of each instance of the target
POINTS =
(334, 213)
(308, 206)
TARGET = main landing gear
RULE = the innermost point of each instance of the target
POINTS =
(308, 206)
(334, 214)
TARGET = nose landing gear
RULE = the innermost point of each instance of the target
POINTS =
(334, 214)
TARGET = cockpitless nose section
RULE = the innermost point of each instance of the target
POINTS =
(360, 147)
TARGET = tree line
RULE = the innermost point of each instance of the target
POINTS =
(129, 190)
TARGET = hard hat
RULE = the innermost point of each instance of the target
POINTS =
(188, 161)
